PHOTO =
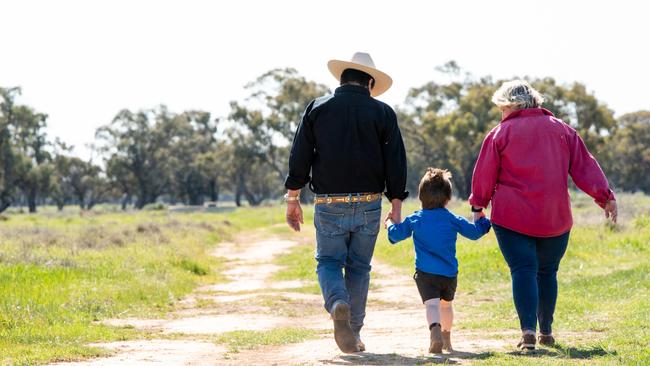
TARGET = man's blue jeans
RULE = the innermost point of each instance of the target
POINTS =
(345, 235)
(533, 263)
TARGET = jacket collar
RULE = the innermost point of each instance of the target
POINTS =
(528, 112)
(352, 89)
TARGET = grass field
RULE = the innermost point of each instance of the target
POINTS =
(604, 286)
(604, 280)
(59, 273)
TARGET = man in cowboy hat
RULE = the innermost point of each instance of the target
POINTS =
(348, 147)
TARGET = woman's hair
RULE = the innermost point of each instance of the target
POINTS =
(517, 94)
(435, 188)
(356, 76)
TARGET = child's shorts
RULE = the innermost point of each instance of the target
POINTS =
(432, 286)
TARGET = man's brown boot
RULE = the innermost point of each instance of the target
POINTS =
(446, 341)
(343, 334)
(436, 339)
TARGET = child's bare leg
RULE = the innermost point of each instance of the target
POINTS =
(446, 315)
(433, 311)
(433, 318)
(446, 320)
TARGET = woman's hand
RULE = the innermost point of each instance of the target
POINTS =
(611, 211)
(477, 215)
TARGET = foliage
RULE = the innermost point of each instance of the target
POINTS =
(444, 124)
(628, 152)
(157, 155)
(263, 129)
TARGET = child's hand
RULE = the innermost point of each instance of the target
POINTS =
(388, 221)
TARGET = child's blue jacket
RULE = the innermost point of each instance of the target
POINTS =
(434, 235)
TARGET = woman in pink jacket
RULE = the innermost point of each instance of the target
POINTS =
(523, 170)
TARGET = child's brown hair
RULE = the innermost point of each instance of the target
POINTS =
(435, 188)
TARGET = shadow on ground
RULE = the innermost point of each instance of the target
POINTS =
(367, 358)
(560, 351)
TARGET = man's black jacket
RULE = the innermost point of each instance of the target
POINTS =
(351, 143)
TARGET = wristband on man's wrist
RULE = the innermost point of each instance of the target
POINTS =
(289, 199)
(477, 209)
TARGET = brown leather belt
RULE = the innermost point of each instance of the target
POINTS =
(350, 198)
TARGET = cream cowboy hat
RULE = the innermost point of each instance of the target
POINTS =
(363, 62)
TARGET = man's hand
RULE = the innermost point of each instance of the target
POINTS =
(611, 211)
(294, 211)
(294, 215)
(395, 213)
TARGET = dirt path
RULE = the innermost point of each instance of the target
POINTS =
(395, 331)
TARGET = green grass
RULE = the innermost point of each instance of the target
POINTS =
(249, 339)
(61, 272)
(604, 283)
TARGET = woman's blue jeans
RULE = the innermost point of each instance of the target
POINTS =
(345, 235)
(533, 266)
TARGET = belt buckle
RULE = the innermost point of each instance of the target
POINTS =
(328, 200)
(368, 198)
(348, 198)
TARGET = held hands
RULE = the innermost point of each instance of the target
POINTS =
(395, 214)
(611, 211)
(477, 215)
(388, 221)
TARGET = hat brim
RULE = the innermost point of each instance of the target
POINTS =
(382, 81)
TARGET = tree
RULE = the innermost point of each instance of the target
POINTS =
(61, 190)
(444, 125)
(9, 158)
(195, 134)
(579, 108)
(121, 178)
(31, 142)
(267, 123)
(138, 143)
(81, 176)
(628, 152)
(24, 159)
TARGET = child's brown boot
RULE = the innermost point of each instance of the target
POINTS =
(446, 341)
(436, 339)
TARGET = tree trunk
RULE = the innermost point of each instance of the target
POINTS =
(214, 190)
(250, 197)
(238, 198)
(126, 200)
(32, 205)
(5, 202)
(143, 198)
(240, 189)
(31, 200)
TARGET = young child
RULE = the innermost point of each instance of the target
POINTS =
(434, 230)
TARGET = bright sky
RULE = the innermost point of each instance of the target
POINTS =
(83, 61)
